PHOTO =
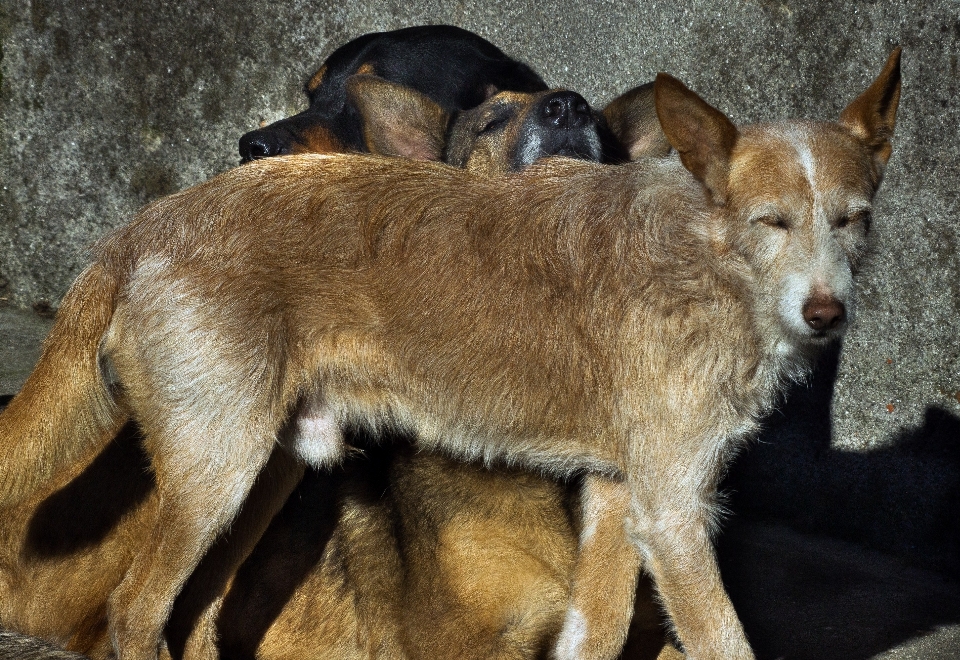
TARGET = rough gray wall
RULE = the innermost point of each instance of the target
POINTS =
(108, 104)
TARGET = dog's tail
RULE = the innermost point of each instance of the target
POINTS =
(65, 408)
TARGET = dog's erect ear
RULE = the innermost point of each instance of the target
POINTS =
(701, 134)
(397, 120)
(872, 115)
(632, 117)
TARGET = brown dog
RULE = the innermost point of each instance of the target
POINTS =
(631, 323)
(505, 133)
(499, 598)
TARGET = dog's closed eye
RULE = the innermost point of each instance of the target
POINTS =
(773, 220)
(862, 216)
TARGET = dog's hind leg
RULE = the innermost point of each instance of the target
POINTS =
(211, 401)
(604, 578)
(192, 630)
(201, 483)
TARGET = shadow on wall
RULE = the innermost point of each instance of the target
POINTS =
(801, 597)
(902, 499)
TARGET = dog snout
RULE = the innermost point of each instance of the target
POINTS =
(262, 144)
(565, 110)
(824, 313)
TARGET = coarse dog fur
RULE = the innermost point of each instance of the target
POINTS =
(484, 556)
(21, 647)
(631, 324)
(455, 68)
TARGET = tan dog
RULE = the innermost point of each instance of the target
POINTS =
(507, 132)
(485, 557)
(631, 323)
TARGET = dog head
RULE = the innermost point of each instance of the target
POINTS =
(509, 131)
(456, 68)
(303, 133)
(505, 133)
(794, 197)
(512, 130)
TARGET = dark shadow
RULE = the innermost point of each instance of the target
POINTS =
(804, 597)
(294, 543)
(901, 499)
(898, 504)
(83, 513)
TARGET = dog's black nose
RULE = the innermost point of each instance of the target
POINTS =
(262, 144)
(565, 110)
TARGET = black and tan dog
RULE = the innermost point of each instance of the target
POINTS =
(435, 557)
(455, 68)
(443, 73)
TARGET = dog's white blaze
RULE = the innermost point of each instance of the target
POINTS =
(826, 270)
(572, 635)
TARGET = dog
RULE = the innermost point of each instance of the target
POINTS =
(529, 544)
(444, 71)
(455, 68)
(506, 133)
(630, 324)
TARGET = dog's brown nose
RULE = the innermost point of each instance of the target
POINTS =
(565, 110)
(824, 312)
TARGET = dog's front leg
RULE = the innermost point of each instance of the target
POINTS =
(674, 540)
(605, 575)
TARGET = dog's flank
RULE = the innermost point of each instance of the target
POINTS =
(627, 322)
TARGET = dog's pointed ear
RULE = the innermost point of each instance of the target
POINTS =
(872, 115)
(397, 120)
(632, 118)
(701, 134)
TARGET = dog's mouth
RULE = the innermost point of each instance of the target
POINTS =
(824, 336)
(581, 145)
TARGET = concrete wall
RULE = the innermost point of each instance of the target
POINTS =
(108, 104)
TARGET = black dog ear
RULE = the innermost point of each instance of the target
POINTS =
(398, 120)
(701, 134)
(873, 114)
(632, 118)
